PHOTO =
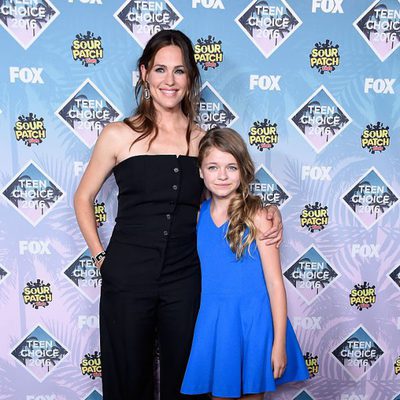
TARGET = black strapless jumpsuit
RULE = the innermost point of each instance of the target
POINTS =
(151, 277)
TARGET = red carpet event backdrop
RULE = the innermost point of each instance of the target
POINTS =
(313, 87)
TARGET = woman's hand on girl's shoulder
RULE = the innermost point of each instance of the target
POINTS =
(273, 235)
(262, 223)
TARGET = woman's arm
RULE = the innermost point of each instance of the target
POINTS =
(271, 264)
(101, 163)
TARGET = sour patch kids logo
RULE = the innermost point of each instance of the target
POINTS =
(362, 296)
(325, 57)
(38, 294)
(314, 217)
(263, 134)
(91, 365)
(208, 52)
(87, 48)
(375, 137)
(30, 129)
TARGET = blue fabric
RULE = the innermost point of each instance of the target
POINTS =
(231, 349)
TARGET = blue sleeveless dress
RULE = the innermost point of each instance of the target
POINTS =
(232, 344)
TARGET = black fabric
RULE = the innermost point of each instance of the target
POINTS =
(151, 277)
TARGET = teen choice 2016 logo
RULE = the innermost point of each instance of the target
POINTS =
(32, 193)
(214, 111)
(358, 353)
(144, 18)
(314, 217)
(87, 48)
(30, 129)
(312, 364)
(311, 274)
(320, 119)
(263, 135)
(38, 294)
(379, 26)
(39, 353)
(208, 52)
(370, 198)
(325, 56)
(375, 137)
(91, 365)
(268, 24)
(26, 20)
(363, 296)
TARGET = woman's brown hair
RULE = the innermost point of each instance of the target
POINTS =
(244, 205)
(143, 120)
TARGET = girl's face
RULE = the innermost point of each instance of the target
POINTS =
(221, 173)
(167, 78)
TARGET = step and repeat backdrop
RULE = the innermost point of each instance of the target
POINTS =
(313, 87)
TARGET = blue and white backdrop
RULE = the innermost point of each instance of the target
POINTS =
(313, 87)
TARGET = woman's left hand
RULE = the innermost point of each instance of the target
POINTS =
(274, 235)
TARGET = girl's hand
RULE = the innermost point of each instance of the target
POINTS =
(273, 235)
(278, 360)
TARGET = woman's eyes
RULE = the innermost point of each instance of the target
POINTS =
(232, 168)
(178, 71)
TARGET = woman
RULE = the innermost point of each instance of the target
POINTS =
(151, 274)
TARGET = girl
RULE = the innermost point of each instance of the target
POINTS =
(243, 344)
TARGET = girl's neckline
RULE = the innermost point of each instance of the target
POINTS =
(212, 219)
(154, 155)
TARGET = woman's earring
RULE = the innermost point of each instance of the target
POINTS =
(146, 92)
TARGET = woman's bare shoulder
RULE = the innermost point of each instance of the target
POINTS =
(118, 129)
(197, 134)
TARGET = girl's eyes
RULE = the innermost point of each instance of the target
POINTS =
(231, 168)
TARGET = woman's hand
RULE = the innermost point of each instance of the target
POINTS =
(274, 235)
(278, 360)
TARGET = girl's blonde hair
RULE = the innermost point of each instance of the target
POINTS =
(243, 205)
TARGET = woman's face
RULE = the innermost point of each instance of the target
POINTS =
(167, 78)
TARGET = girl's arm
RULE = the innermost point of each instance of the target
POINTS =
(273, 277)
(101, 163)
